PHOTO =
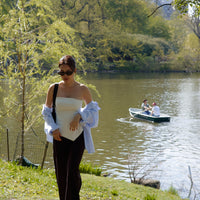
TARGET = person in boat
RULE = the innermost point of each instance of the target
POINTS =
(155, 110)
(70, 133)
(146, 107)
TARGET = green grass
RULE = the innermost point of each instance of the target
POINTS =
(149, 197)
(172, 190)
(17, 182)
(88, 168)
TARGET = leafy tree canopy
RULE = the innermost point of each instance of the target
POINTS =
(183, 5)
(32, 39)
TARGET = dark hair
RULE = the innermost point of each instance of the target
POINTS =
(68, 60)
(144, 100)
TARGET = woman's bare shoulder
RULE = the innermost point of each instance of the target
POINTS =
(86, 95)
(83, 87)
(51, 87)
(50, 95)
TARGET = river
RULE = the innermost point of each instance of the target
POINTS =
(163, 150)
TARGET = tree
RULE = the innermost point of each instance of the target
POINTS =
(31, 39)
(5, 6)
(194, 24)
(107, 27)
(181, 5)
(80, 14)
(126, 12)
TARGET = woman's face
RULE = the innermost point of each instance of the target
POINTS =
(66, 72)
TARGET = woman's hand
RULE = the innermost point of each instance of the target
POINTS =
(75, 122)
(57, 135)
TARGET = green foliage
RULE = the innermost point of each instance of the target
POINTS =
(108, 30)
(31, 43)
(150, 197)
(87, 168)
(5, 6)
(19, 182)
(114, 192)
(126, 12)
(182, 5)
(189, 55)
(173, 191)
(178, 31)
(158, 27)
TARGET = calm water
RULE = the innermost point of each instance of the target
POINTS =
(165, 150)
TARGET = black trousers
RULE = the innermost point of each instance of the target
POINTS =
(67, 157)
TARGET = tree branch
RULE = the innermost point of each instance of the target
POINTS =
(63, 3)
(73, 6)
(82, 8)
(166, 4)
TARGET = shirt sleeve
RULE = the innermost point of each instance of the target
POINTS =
(90, 114)
(49, 125)
(90, 118)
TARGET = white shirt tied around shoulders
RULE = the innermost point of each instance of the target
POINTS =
(90, 118)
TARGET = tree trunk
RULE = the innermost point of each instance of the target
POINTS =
(23, 118)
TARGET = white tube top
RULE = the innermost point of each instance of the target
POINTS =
(66, 109)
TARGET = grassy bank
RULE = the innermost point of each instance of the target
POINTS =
(18, 182)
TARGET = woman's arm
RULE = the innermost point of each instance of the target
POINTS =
(49, 101)
(87, 97)
(49, 98)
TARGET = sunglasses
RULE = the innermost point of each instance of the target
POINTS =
(68, 73)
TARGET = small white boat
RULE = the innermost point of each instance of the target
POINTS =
(138, 113)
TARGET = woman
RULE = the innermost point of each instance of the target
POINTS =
(71, 132)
